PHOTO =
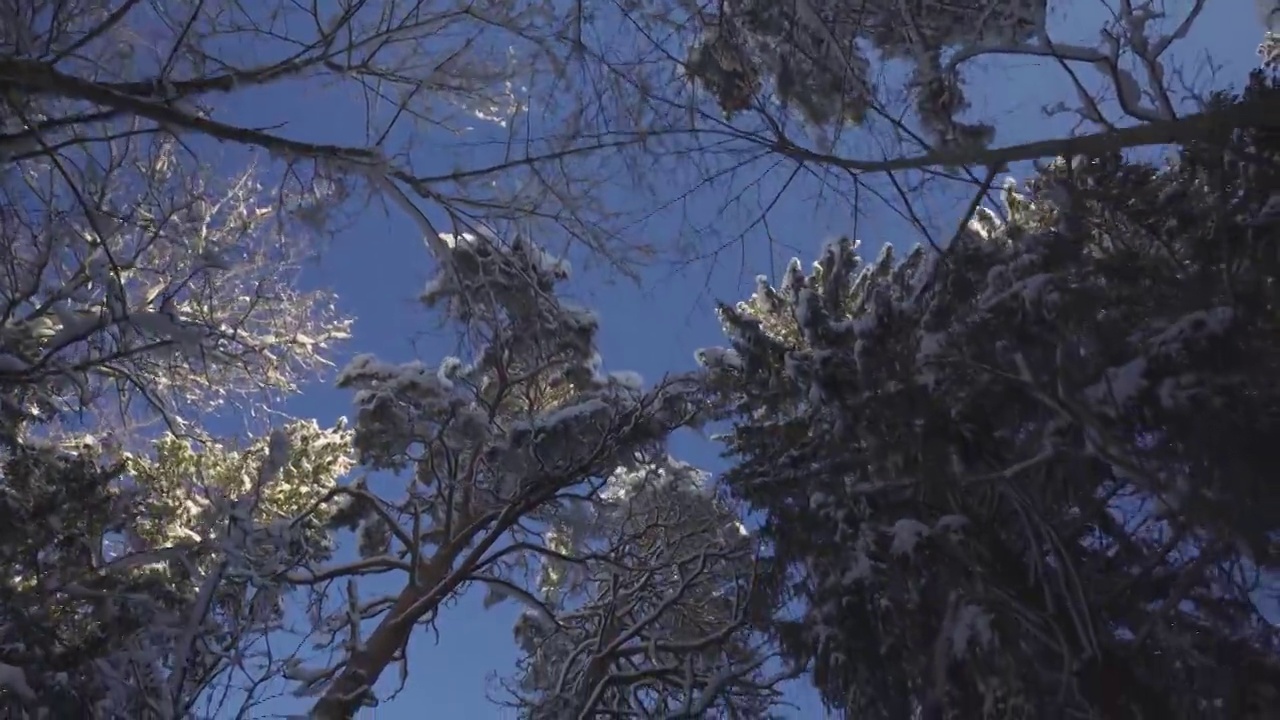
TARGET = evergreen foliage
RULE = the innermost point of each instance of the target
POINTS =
(1032, 476)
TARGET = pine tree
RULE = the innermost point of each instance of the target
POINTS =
(495, 458)
(134, 584)
(813, 52)
(1031, 476)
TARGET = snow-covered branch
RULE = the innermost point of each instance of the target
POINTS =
(522, 435)
(646, 606)
(1028, 452)
(149, 586)
(175, 290)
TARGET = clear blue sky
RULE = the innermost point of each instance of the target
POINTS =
(379, 265)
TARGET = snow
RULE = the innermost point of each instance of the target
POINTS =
(931, 344)
(308, 677)
(951, 523)
(368, 371)
(1031, 291)
(972, 628)
(450, 368)
(1193, 325)
(434, 288)
(859, 570)
(984, 223)
(577, 315)
(907, 533)
(671, 475)
(547, 263)
(569, 412)
(455, 241)
(762, 299)
(718, 357)
(628, 379)
(1121, 385)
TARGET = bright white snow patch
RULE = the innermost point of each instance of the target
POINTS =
(548, 263)
(461, 240)
(672, 476)
(450, 368)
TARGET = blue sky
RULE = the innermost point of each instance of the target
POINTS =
(379, 264)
